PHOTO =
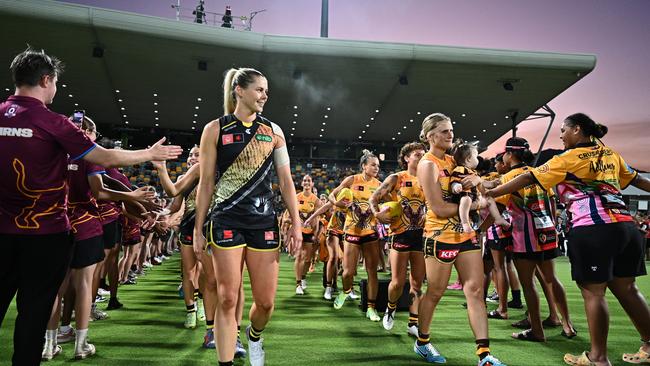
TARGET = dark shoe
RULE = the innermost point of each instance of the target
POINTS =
(496, 315)
(522, 324)
(114, 304)
(515, 304)
(527, 335)
(548, 323)
(569, 335)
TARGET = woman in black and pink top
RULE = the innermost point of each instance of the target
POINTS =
(34, 227)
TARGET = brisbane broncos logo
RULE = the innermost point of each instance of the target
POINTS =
(361, 214)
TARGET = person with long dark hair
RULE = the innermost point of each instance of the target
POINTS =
(605, 248)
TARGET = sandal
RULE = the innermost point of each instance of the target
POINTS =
(522, 324)
(548, 323)
(581, 360)
(496, 315)
(527, 335)
(639, 358)
(569, 335)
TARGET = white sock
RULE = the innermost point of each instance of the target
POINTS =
(65, 328)
(80, 340)
(50, 338)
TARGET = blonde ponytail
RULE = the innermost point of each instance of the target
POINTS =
(229, 100)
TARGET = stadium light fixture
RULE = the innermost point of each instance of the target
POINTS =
(411, 120)
(364, 131)
(194, 122)
(329, 108)
(155, 94)
(70, 95)
(63, 85)
(295, 107)
(324, 123)
(399, 133)
(126, 122)
(294, 122)
(117, 90)
(119, 100)
(494, 124)
(76, 104)
(376, 110)
(196, 115)
(157, 125)
(295, 114)
(367, 125)
(155, 111)
(124, 115)
(372, 118)
(196, 107)
(325, 116)
(404, 127)
(463, 115)
(484, 131)
(507, 117)
(122, 108)
(320, 135)
(198, 99)
(156, 118)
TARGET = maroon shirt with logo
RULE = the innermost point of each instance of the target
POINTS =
(34, 147)
(83, 211)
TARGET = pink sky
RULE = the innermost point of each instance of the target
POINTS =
(616, 93)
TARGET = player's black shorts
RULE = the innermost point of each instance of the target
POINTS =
(408, 241)
(504, 244)
(445, 252)
(360, 240)
(87, 252)
(308, 238)
(261, 240)
(336, 234)
(544, 255)
(112, 234)
(598, 253)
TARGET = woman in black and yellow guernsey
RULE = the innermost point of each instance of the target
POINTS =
(446, 244)
(405, 233)
(359, 229)
(308, 202)
(238, 153)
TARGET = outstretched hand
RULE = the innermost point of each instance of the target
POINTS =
(164, 152)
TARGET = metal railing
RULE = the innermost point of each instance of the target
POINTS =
(241, 22)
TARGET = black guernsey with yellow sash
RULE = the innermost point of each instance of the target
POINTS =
(243, 201)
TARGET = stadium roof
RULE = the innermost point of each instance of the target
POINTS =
(356, 84)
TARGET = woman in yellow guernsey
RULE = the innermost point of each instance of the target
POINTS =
(359, 229)
(445, 244)
(605, 247)
(405, 233)
(308, 202)
(334, 237)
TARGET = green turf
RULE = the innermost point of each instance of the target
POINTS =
(307, 331)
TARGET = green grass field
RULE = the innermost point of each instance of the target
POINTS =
(307, 331)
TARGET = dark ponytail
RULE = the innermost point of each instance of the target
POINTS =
(588, 126)
(520, 149)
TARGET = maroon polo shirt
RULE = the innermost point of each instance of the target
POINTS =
(82, 207)
(111, 210)
(34, 147)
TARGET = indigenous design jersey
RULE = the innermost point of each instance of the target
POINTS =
(244, 198)
(410, 196)
(495, 232)
(306, 207)
(589, 180)
(337, 221)
(359, 219)
(82, 207)
(533, 229)
(34, 145)
(110, 211)
(446, 230)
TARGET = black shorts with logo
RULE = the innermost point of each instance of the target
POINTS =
(598, 253)
(360, 240)
(408, 241)
(260, 240)
(336, 234)
(445, 252)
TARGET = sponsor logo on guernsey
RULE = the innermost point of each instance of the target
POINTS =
(11, 112)
(352, 238)
(227, 234)
(360, 188)
(232, 138)
(302, 202)
(595, 154)
(265, 138)
(73, 167)
(16, 132)
(269, 235)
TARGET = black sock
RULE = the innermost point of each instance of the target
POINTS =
(297, 283)
(413, 319)
(191, 308)
(516, 295)
(227, 363)
(238, 330)
(423, 338)
(209, 324)
(482, 348)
